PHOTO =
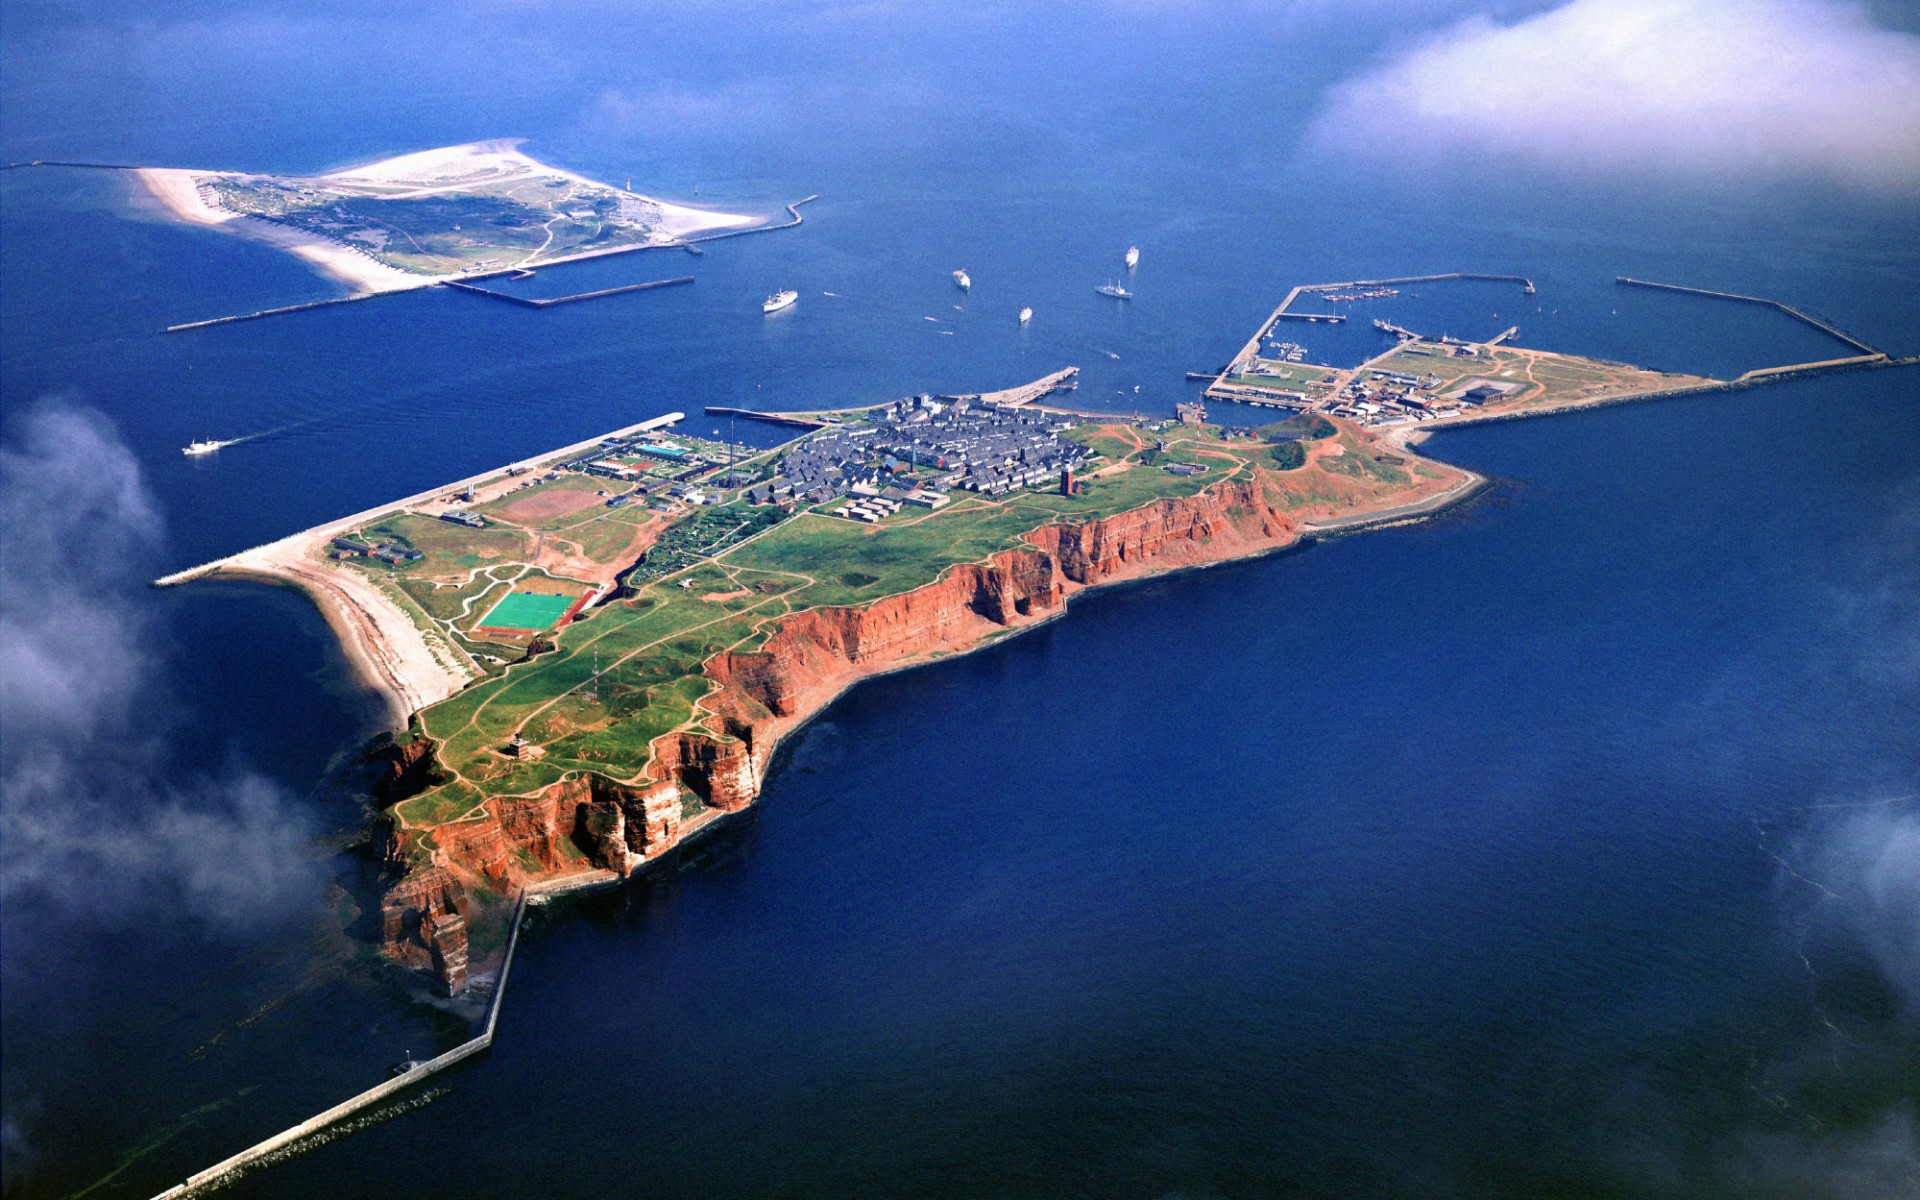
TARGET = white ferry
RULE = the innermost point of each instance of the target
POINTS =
(1114, 290)
(1133, 257)
(194, 449)
(779, 300)
(1026, 314)
(960, 279)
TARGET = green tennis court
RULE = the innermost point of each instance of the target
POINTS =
(530, 611)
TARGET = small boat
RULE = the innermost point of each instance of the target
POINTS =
(1114, 290)
(690, 248)
(960, 279)
(1026, 314)
(779, 300)
(1133, 257)
(195, 449)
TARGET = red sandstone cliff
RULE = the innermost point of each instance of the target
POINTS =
(760, 697)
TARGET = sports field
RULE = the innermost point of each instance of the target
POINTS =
(529, 611)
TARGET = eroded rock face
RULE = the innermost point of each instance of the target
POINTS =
(423, 923)
(619, 826)
(410, 769)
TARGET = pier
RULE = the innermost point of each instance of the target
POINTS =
(530, 302)
(1525, 283)
(1063, 380)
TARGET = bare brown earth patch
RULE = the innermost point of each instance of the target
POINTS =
(544, 504)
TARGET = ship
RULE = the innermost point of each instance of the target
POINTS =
(208, 446)
(1026, 314)
(1133, 257)
(779, 300)
(1114, 290)
(960, 278)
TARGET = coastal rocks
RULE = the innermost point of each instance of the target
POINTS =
(423, 923)
(814, 648)
(723, 773)
(621, 827)
(410, 769)
(1213, 525)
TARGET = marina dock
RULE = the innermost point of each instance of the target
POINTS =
(1284, 312)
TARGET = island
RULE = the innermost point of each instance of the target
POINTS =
(590, 656)
(593, 654)
(457, 212)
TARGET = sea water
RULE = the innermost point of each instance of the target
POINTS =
(1467, 858)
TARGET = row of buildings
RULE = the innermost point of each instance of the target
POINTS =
(937, 445)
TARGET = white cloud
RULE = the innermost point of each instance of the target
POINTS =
(96, 819)
(1703, 88)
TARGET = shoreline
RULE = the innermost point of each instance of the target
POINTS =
(176, 191)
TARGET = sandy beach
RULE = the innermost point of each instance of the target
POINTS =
(178, 191)
(388, 652)
(498, 160)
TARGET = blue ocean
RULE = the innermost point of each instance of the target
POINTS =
(1564, 845)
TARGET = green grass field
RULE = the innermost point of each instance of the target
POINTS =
(528, 611)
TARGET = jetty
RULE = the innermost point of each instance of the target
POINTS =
(320, 533)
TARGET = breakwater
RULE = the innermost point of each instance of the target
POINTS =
(373, 1095)
(793, 212)
(274, 312)
(530, 302)
(773, 418)
(1825, 327)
